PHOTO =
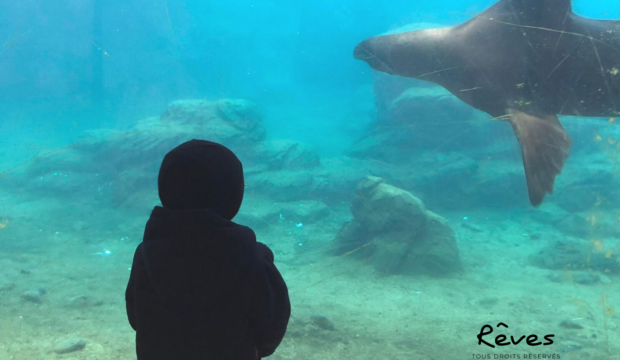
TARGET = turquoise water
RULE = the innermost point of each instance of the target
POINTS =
(398, 214)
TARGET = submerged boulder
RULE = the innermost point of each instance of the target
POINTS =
(227, 121)
(119, 167)
(394, 230)
(595, 224)
(285, 155)
(578, 255)
(589, 182)
(283, 185)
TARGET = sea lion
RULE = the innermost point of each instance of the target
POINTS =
(524, 61)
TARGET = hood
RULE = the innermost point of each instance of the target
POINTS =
(201, 174)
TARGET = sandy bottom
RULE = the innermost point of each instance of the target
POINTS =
(61, 248)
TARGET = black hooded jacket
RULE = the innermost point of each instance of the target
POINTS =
(201, 286)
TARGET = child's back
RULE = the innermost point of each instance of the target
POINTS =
(201, 287)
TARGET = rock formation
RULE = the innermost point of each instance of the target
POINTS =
(395, 231)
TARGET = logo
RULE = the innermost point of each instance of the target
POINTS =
(502, 340)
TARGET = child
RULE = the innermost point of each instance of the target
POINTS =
(201, 286)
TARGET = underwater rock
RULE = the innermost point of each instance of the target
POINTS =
(133, 189)
(576, 277)
(382, 146)
(314, 328)
(588, 226)
(472, 228)
(352, 237)
(34, 295)
(228, 121)
(495, 183)
(451, 180)
(286, 155)
(488, 301)
(439, 179)
(574, 255)
(282, 185)
(558, 278)
(567, 254)
(590, 184)
(397, 233)
(322, 322)
(70, 345)
(118, 167)
(83, 301)
(570, 324)
(257, 214)
(338, 176)
(415, 114)
(380, 207)
(586, 278)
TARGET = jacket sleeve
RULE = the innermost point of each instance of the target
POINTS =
(129, 301)
(271, 306)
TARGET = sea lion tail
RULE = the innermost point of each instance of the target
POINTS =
(544, 146)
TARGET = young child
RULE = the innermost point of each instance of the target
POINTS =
(201, 286)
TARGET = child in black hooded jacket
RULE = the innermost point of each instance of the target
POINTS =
(201, 286)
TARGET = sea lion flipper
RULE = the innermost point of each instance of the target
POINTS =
(544, 146)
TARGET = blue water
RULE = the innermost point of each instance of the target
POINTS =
(155, 52)
(70, 68)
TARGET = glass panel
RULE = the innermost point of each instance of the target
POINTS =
(435, 180)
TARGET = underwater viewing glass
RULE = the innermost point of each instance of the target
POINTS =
(416, 180)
